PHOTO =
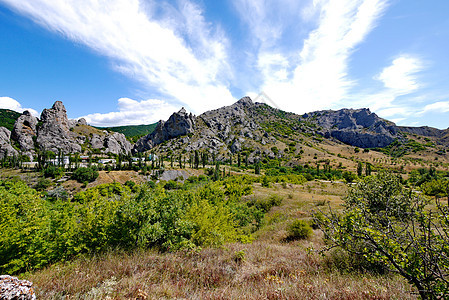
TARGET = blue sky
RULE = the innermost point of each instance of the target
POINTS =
(119, 62)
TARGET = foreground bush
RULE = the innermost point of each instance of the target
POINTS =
(299, 230)
(37, 231)
(389, 225)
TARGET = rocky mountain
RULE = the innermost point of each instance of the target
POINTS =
(55, 132)
(262, 132)
(356, 127)
(253, 129)
(257, 127)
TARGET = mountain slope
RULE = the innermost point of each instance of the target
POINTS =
(132, 131)
(8, 118)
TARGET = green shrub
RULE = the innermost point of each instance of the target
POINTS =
(42, 184)
(85, 174)
(299, 230)
(53, 172)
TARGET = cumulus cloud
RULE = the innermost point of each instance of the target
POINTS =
(133, 112)
(170, 48)
(12, 104)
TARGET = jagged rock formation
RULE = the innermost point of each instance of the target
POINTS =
(356, 127)
(111, 142)
(54, 134)
(24, 131)
(13, 288)
(180, 123)
(5, 143)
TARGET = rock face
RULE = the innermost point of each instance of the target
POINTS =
(54, 134)
(5, 143)
(13, 288)
(24, 131)
(180, 123)
(356, 127)
(111, 142)
(58, 132)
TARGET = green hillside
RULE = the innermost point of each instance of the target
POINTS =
(133, 132)
(8, 118)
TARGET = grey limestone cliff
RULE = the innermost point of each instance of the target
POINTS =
(179, 124)
(24, 132)
(5, 143)
(54, 134)
(356, 127)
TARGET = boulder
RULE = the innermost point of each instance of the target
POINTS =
(13, 288)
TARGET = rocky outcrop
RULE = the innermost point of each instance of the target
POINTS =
(179, 124)
(356, 127)
(111, 143)
(5, 143)
(54, 134)
(13, 288)
(24, 132)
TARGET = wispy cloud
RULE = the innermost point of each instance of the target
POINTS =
(440, 107)
(315, 76)
(12, 104)
(400, 76)
(170, 49)
(133, 112)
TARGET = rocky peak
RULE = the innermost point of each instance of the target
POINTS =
(54, 133)
(245, 102)
(57, 115)
(23, 132)
(179, 123)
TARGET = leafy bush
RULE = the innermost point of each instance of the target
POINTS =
(299, 230)
(42, 184)
(85, 174)
(389, 225)
(53, 172)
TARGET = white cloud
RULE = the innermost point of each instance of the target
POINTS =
(174, 51)
(12, 104)
(440, 107)
(132, 112)
(319, 80)
(400, 76)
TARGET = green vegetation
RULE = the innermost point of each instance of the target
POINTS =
(132, 132)
(85, 174)
(8, 118)
(40, 230)
(385, 224)
(299, 229)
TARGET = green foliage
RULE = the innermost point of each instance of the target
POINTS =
(43, 184)
(85, 174)
(8, 118)
(53, 171)
(437, 187)
(37, 231)
(299, 230)
(133, 131)
(389, 225)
